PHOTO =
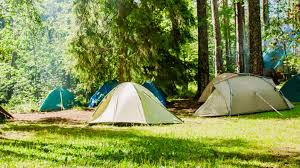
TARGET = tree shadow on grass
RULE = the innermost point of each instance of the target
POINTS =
(115, 146)
(58, 120)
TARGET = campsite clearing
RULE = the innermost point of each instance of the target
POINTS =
(257, 140)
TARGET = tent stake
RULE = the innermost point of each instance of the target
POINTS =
(258, 95)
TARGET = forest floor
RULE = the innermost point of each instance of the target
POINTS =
(178, 107)
(67, 116)
(63, 139)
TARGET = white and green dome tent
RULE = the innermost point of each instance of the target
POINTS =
(132, 103)
(234, 94)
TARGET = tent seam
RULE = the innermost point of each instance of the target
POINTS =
(141, 104)
(230, 93)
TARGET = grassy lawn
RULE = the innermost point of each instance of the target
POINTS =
(259, 140)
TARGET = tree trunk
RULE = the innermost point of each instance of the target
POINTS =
(266, 12)
(123, 50)
(289, 9)
(226, 35)
(203, 65)
(240, 18)
(67, 80)
(217, 38)
(298, 13)
(122, 68)
(175, 33)
(255, 43)
(14, 59)
(128, 70)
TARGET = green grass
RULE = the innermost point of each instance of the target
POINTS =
(259, 140)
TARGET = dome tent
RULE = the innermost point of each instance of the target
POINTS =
(156, 91)
(58, 99)
(291, 89)
(132, 103)
(102, 92)
(243, 94)
(4, 114)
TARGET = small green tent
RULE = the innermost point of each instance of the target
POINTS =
(4, 114)
(291, 89)
(58, 99)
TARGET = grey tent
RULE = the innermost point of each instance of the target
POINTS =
(242, 94)
(4, 114)
(132, 103)
(210, 87)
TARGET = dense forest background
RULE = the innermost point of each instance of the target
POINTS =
(80, 44)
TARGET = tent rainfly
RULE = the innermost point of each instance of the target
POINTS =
(132, 103)
(102, 92)
(241, 94)
(291, 89)
(4, 114)
(58, 99)
(156, 92)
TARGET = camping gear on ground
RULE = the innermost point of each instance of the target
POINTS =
(58, 99)
(156, 91)
(4, 114)
(132, 103)
(102, 92)
(233, 94)
(291, 89)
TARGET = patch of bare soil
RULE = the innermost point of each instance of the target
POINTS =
(15, 135)
(67, 116)
(185, 107)
(287, 152)
(178, 107)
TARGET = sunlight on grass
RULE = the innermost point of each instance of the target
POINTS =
(259, 140)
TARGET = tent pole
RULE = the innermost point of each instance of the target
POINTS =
(61, 101)
(264, 100)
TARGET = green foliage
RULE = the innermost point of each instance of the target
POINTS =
(282, 31)
(280, 17)
(79, 44)
(292, 64)
(149, 35)
(227, 14)
(17, 25)
(32, 51)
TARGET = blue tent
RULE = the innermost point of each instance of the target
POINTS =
(102, 92)
(273, 57)
(157, 92)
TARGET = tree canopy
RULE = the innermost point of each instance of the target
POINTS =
(80, 44)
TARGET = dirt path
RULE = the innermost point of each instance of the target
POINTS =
(60, 116)
(184, 107)
(180, 107)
